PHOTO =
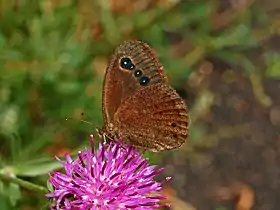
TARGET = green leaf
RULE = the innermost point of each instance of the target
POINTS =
(239, 35)
(4, 204)
(1, 187)
(10, 191)
(68, 87)
(36, 168)
(274, 70)
(2, 41)
(273, 64)
(14, 193)
(50, 186)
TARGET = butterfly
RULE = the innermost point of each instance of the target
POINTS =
(138, 104)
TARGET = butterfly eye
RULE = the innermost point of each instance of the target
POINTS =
(126, 63)
(173, 125)
(144, 80)
(138, 73)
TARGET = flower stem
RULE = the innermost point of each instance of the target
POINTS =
(23, 183)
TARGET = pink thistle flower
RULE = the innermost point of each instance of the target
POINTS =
(115, 176)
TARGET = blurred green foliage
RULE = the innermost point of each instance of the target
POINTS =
(50, 52)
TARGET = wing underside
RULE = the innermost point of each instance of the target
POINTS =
(154, 118)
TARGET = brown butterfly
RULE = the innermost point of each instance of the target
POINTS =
(139, 106)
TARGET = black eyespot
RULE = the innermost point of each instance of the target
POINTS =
(173, 125)
(144, 80)
(138, 73)
(126, 63)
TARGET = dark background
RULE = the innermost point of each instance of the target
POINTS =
(221, 55)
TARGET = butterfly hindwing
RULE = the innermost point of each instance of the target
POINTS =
(157, 119)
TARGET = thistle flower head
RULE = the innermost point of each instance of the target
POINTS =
(115, 176)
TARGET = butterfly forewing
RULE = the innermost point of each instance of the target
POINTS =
(120, 83)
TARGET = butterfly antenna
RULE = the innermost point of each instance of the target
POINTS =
(84, 121)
